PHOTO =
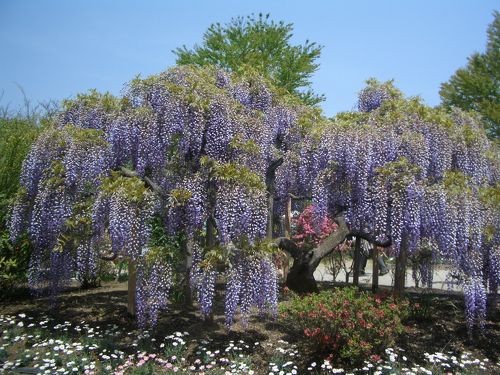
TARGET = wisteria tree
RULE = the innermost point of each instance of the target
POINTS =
(192, 150)
(404, 175)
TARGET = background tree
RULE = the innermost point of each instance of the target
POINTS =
(477, 85)
(18, 131)
(260, 44)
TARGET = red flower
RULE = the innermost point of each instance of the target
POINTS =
(306, 230)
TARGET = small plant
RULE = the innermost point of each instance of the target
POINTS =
(349, 324)
(421, 308)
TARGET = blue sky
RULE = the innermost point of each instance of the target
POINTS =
(56, 49)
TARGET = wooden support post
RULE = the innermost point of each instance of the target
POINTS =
(132, 283)
(400, 273)
(270, 216)
(288, 218)
(188, 300)
(210, 235)
(375, 269)
(357, 250)
(288, 234)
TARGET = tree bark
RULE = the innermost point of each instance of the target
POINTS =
(400, 273)
(132, 283)
(270, 215)
(300, 279)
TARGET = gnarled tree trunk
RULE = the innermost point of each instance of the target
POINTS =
(301, 276)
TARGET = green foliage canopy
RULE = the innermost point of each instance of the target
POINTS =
(259, 44)
(477, 85)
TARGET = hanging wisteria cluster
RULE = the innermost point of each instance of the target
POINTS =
(122, 210)
(202, 279)
(375, 93)
(190, 145)
(252, 282)
(154, 280)
(62, 169)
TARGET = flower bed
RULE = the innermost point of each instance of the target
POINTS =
(46, 346)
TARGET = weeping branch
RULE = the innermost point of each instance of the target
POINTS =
(289, 246)
(371, 238)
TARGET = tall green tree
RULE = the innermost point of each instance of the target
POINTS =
(477, 85)
(17, 133)
(263, 45)
(16, 137)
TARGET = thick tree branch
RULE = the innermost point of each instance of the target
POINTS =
(370, 238)
(329, 243)
(108, 257)
(289, 246)
(300, 197)
(271, 172)
(153, 185)
(326, 246)
(332, 241)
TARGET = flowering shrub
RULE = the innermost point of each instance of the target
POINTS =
(307, 233)
(349, 324)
